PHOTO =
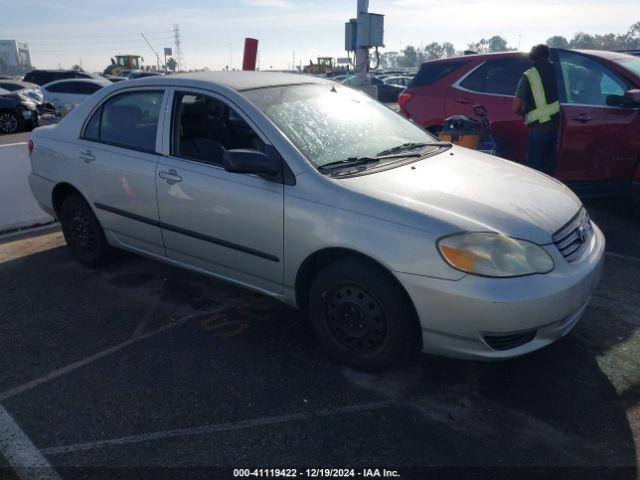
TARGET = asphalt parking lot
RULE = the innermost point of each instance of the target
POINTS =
(140, 367)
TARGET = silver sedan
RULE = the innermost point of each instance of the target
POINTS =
(313, 193)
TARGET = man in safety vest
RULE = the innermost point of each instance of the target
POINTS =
(537, 101)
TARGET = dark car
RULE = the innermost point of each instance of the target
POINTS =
(42, 77)
(17, 112)
(599, 142)
(386, 92)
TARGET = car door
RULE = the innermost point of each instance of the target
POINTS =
(493, 84)
(64, 94)
(227, 224)
(118, 150)
(597, 139)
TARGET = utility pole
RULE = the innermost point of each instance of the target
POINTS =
(362, 53)
(178, 56)
(153, 50)
(293, 60)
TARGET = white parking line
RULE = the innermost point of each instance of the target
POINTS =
(97, 356)
(21, 453)
(216, 428)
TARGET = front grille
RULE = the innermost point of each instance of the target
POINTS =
(507, 342)
(572, 239)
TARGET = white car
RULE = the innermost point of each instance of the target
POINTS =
(316, 194)
(69, 93)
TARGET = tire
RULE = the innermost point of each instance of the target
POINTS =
(10, 122)
(361, 316)
(83, 232)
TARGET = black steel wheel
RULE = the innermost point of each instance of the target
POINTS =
(82, 232)
(10, 122)
(356, 318)
(362, 316)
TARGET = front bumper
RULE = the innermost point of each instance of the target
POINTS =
(458, 317)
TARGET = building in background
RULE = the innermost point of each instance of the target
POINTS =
(15, 58)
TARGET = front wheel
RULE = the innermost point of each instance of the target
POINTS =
(83, 233)
(362, 316)
(10, 122)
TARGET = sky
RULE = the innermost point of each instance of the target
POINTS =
(63, 33)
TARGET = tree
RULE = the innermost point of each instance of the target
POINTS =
(172, 64)
(631, 40)
(432, 51)
(389, 60)
(583, 40)
(409, 58)
(448, 50)
(77, 68)
(497, 44)
(557, 41)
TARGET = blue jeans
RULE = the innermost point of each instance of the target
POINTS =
(542, 150)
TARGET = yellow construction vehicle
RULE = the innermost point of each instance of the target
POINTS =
(324, 65)
(122, 63)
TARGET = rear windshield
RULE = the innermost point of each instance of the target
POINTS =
(432, 72)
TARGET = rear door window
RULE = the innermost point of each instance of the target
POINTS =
(67, 87)
(432, 72)
(128, 120)
(497, 77)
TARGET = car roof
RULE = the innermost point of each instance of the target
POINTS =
(606, 54)
(236, 80)
(100, 81)
(18, 82)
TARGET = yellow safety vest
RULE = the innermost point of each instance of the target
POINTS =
(543, 111)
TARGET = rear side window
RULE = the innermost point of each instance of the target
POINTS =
(89, 88)
(65, 87)
(432, 72)
(498, 77)
(129, 120)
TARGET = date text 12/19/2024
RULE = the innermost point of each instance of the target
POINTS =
(315, 473)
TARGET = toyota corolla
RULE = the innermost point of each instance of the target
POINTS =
(313, 193)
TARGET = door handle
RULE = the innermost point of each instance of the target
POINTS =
(582, 118)
(464, 101)
(171, 176)
(87, 156)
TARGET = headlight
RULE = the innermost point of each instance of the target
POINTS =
(494, 255)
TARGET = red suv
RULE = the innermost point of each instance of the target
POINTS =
(600, 139)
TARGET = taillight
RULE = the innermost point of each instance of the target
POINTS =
(30, 146)
(404, 98)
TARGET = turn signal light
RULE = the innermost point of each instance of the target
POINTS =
(30, 146)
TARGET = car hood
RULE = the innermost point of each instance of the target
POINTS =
(464, 190)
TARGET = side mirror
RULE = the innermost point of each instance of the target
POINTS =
(631, 98)
(249, 161)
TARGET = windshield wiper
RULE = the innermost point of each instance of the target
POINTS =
(412, 146)
(361, 160)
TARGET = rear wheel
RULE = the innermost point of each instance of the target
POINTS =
(362, 316)
(83, 233)
(10, 122)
